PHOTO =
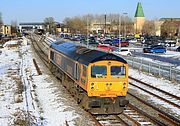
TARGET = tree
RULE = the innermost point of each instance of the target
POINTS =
(170, 28)
(13, 26)
(84, 24)
(1, 21)
(149, 28)
(76, 25)
(50, 24)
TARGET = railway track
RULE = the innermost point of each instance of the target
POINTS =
(160, 113)
(130, 116)
(38, 48)
(139, 117)
(162, 95)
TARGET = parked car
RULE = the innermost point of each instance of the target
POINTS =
(170, 42)
(107, 42)
(178, 49)
(105, 47)
(123, 51)
(122, 42)
(154, 49)
(133, 40)
(91, 41)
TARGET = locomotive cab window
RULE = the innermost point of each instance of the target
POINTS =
(98, 71)
(118, 71)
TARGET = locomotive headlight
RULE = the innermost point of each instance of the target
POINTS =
(124, 85)
(109, 63)
(92, 86)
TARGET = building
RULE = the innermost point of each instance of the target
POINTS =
(157, 25)
(170, 27)
(98, 27)
(30, 26)
(139, 19)
(61, 28)
(6, 29)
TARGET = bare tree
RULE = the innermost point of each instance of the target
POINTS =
(50, 25)
(149, 28)
(14, 26)
(170, 28)
(75, 24)
(111, 21)
(1, 21)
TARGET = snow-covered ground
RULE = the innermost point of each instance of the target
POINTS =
(48, 102)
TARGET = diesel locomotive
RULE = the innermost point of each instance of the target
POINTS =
(98, 80)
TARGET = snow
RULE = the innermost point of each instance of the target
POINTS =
(173, 54)
(48, 101)
(8, 65)
(10, 43)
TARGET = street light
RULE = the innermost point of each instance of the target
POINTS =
(105, 23)
(119, 32)
(87, 32)
(125, 24)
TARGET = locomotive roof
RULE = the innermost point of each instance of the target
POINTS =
(83, 54)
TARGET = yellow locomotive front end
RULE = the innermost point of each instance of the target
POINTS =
(107, 86)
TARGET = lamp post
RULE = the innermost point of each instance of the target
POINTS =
(125, 23)
(87, 33)
(105, 23)
(119, 32)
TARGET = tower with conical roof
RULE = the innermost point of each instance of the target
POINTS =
(139, 19)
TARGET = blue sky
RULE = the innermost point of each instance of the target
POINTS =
(37, 10)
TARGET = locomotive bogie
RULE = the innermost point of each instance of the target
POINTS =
(108, 105)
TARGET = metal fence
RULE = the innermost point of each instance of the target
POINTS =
(157, 69)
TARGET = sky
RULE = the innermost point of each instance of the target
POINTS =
(38, 10)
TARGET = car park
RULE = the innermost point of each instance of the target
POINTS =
(123, 51)
(154, 49)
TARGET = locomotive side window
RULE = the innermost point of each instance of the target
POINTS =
(77, 72)
(98, 71)
(118, 71)
(84, 71)
(52, 55)
(58, 59)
